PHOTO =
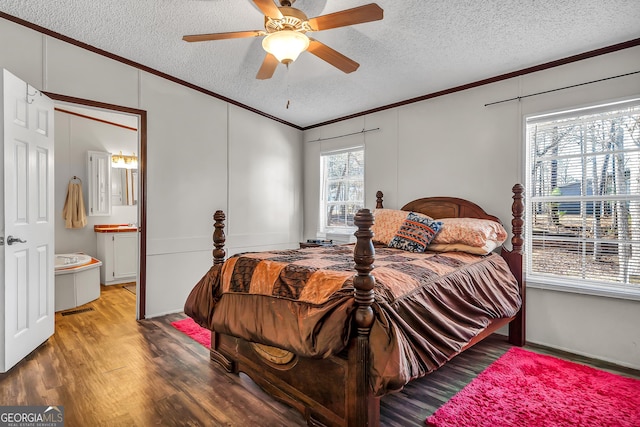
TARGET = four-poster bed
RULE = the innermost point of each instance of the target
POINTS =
(330, 343)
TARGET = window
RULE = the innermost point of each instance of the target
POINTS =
(583, 199)
(342, 192)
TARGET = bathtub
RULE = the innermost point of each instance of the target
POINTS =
(77, 280)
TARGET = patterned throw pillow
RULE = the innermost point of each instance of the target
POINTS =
(416, 232)
(387, 223)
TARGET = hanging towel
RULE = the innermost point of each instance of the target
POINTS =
(73, 212)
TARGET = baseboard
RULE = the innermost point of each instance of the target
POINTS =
(588, 358)
(165, 313)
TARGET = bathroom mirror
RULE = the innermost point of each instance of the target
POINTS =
(124, 187)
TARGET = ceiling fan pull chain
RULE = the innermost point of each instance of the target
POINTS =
(287, 78)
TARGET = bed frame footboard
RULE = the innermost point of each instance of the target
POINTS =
(341, 396)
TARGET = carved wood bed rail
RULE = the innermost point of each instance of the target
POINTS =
(343, 396)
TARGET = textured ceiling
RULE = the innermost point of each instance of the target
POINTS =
(420, 47)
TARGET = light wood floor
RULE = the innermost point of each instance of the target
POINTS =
(106, 369)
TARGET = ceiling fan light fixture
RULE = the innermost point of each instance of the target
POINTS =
(286, 45)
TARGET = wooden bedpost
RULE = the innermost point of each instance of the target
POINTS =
(517, 210)
(364, 409)
(219, 238)
(219, 255)
(379, 200)
(517, 327)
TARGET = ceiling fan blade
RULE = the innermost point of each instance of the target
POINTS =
(268, 67)
(269, 8)
(357, 15)
(333, 57)
(222, 36)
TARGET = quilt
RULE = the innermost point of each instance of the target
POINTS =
(427, 305)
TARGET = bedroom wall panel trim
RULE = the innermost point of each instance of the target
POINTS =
(177, 245)
(255, 240)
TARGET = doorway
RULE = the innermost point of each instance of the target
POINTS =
(130, 122)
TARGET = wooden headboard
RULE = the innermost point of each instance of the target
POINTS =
(443, 207)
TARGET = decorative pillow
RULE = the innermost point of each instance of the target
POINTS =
(470, 231)
(460, 247)
(387, 223)
(416, 232)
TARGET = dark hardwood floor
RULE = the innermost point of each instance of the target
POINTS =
(106, 369)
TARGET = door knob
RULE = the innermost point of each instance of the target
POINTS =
(11, 240)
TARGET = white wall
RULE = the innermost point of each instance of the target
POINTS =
(198, 149)
(455, 146)
(186, 182)
(74, 136)
(265, 188)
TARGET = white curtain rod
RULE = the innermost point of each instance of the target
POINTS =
(346, 134)
(561, 88)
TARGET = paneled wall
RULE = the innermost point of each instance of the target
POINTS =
(266, 215)
(454, 145)
(198, 150)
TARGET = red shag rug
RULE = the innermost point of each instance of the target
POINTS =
(193, 330)
(527, 389)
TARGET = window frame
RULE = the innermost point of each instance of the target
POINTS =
(557, 282)
(323, 229)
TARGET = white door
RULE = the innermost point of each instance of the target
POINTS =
(27, 221)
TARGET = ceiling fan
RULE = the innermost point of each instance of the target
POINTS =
(285, 28)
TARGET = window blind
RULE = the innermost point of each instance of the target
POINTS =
(583, 196)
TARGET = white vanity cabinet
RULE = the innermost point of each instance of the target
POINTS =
(118, 252)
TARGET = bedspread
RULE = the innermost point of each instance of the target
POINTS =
(427, 305)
